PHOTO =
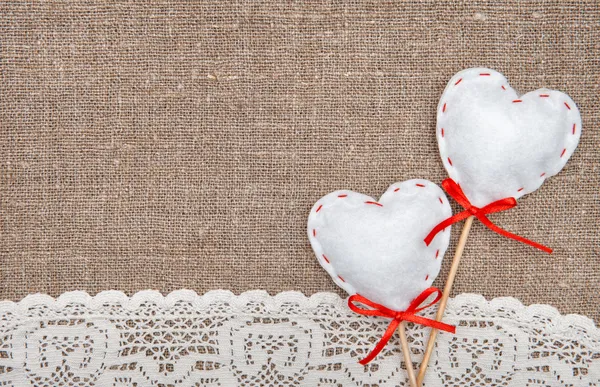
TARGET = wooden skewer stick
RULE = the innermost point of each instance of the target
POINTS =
(442, 305)
(406, 353)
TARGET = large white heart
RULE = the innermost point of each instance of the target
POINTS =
(375, 248)
(496, 144)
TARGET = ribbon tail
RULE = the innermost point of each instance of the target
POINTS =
(443, 224)
(382, 343)
(510, 235)
(440, 326)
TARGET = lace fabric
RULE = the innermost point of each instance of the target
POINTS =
(220, 339)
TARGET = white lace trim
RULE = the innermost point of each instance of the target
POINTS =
(219, 339)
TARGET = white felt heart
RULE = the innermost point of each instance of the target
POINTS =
(375, 248)
(496, 144)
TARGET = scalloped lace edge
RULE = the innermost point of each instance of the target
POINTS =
(272, 303)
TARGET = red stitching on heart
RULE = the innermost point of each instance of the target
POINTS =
(420, 185)
(514, 101)
(314, 231)
(485, 74)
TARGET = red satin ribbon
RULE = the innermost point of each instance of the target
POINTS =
(457, 193)
(398, 317)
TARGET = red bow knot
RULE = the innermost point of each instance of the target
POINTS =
(473, 210)
(398, 316)
(454, 190)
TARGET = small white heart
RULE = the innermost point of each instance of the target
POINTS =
(496, 144)
(375, 248)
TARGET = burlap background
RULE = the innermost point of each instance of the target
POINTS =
(179, 145)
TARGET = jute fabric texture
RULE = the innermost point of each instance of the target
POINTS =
(169, 145)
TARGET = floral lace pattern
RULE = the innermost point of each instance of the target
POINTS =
(219, 339)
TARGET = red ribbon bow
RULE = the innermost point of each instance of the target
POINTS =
(398, 317)
(457, 193)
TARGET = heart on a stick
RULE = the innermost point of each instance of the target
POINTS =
(375, 248)
(497, 144)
